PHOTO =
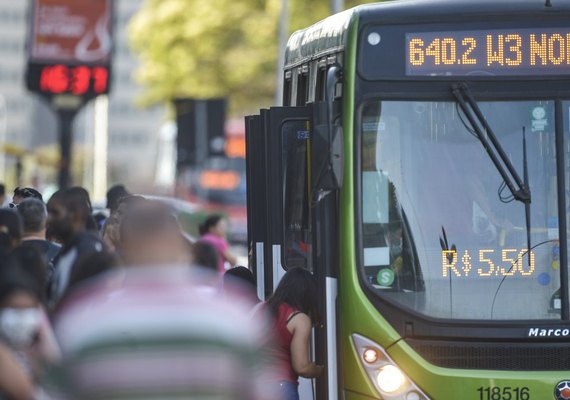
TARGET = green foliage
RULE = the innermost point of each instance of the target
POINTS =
(214, 48)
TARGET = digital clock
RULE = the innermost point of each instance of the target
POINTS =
(80, 80)
(516, 52)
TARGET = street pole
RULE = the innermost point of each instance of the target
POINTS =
(282, 44)
(65, 117)
(337, 6)
(100, 145)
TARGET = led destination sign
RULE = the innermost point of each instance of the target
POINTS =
(535, 51)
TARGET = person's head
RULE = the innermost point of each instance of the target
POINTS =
(111, 232)
(114, 196)
(239, 274)
(150, 235)
(11, 229)
(90, 223)
(68, 212)
(34, 215)
(22, 193)
(205, 255)
(297, 288)
(241, 280)
(215, 225)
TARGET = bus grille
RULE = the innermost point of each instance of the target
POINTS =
(495, 356)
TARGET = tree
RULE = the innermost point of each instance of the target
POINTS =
(214, 48)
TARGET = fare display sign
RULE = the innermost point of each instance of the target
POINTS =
(70, 45)
(504, 52)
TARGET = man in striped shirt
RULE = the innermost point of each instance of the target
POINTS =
(154, 330)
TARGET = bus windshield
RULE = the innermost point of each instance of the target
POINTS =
(441, 232)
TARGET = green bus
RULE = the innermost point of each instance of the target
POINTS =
(420, 168)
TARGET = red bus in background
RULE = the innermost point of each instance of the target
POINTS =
(219, 184)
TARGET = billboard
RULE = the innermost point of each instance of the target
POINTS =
(71, 31)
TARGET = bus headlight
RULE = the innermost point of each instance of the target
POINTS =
(370, 356)
(388, 379)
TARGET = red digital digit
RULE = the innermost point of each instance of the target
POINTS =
(81, 80)
(45, 78)
(101, 79)
(58, 79)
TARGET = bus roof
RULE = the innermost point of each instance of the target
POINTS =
(326, 36)
(329, 35)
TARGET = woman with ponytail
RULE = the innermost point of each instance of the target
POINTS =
(293, 310)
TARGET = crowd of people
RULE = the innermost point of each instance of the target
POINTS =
(126, 305)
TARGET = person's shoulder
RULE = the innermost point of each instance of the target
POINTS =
(90, 241)
(216, 241)
(39, 244)
(299, 320)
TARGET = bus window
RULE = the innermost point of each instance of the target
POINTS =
(302, 88)
(287, 87)
(296, 218)
(321, 84)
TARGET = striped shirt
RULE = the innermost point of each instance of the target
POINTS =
(158, 333)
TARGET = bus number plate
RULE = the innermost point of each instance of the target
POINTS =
(503, 393)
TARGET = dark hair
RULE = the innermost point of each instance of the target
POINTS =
(90, 223)
(239, 274)
(33, 213)
(240, 281)
(75, 200)
(81, 192)
(114, 196)
(2, 189)
(205, 255)
(210, 222)
(297, 288)
(27, 192)
(11, 228)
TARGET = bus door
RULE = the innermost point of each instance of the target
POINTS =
(257, 202)
(277, 146)
(288, 226)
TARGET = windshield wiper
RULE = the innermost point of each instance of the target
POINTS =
(482, 130)
(496, 152)
(526, 203)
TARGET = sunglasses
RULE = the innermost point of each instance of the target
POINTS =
(27, 192)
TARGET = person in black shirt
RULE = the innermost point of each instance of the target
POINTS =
(68, 213)
(34, 216)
